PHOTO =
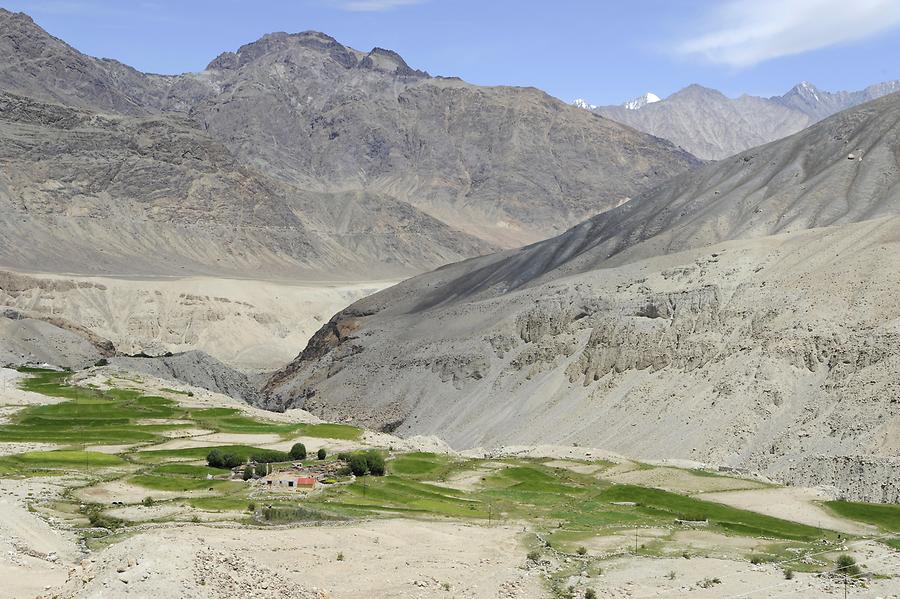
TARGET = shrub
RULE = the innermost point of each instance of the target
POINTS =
(582, 550)
(99, 520)
(214, 459)
(229, 460)
(671, 575)
(251, 507)
(148, 501)
(340, 556)
(788, 574)
(190, 394)
(446, 586)
(358, 464)
(590, 594)
(248, 472)
(344, 456)
(708, 582)
(298, 451)
(846, 566)
(321, 454)
(533, 555)
(101, 362)
(375, 463)
(261, 469)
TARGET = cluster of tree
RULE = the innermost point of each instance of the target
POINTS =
(217, 459)
(362, 463)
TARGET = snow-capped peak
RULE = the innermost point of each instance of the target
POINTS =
(582, 103)
(640, 102)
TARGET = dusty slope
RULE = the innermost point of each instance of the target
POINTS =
(644, 331)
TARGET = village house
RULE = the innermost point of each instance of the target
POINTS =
(289, 480)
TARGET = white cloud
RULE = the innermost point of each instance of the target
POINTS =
(742, 33)
(376, 5)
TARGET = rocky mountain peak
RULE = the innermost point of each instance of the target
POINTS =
(805, 90)
(274, 43)
(390, 62)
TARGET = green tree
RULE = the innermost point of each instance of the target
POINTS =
(214, 459)
(298, 451)
(229, 460)
(358, 464)
(375, 463)
(321, 453)
(248, 472)
(261, 469)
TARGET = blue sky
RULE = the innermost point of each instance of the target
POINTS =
(605, 51)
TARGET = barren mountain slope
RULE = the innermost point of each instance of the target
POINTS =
(40, 66)
(88, 193)
(742, 314)
(510, 165)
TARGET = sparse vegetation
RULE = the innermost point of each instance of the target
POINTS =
(846, 565)
(582, 550)
(707, 583)
(148, 501)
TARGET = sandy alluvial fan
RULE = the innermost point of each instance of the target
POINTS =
(743, 313)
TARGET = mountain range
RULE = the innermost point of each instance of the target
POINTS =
(712, 126)
(294, 156)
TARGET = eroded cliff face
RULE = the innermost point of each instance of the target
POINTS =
(779, 355)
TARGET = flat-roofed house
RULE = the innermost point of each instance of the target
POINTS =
(289, 480)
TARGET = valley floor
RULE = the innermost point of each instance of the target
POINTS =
(111, 496)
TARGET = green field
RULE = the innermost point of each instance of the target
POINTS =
(35, 463)
(884, 516)
(566, 507)
(556, 498)
(118, 416)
